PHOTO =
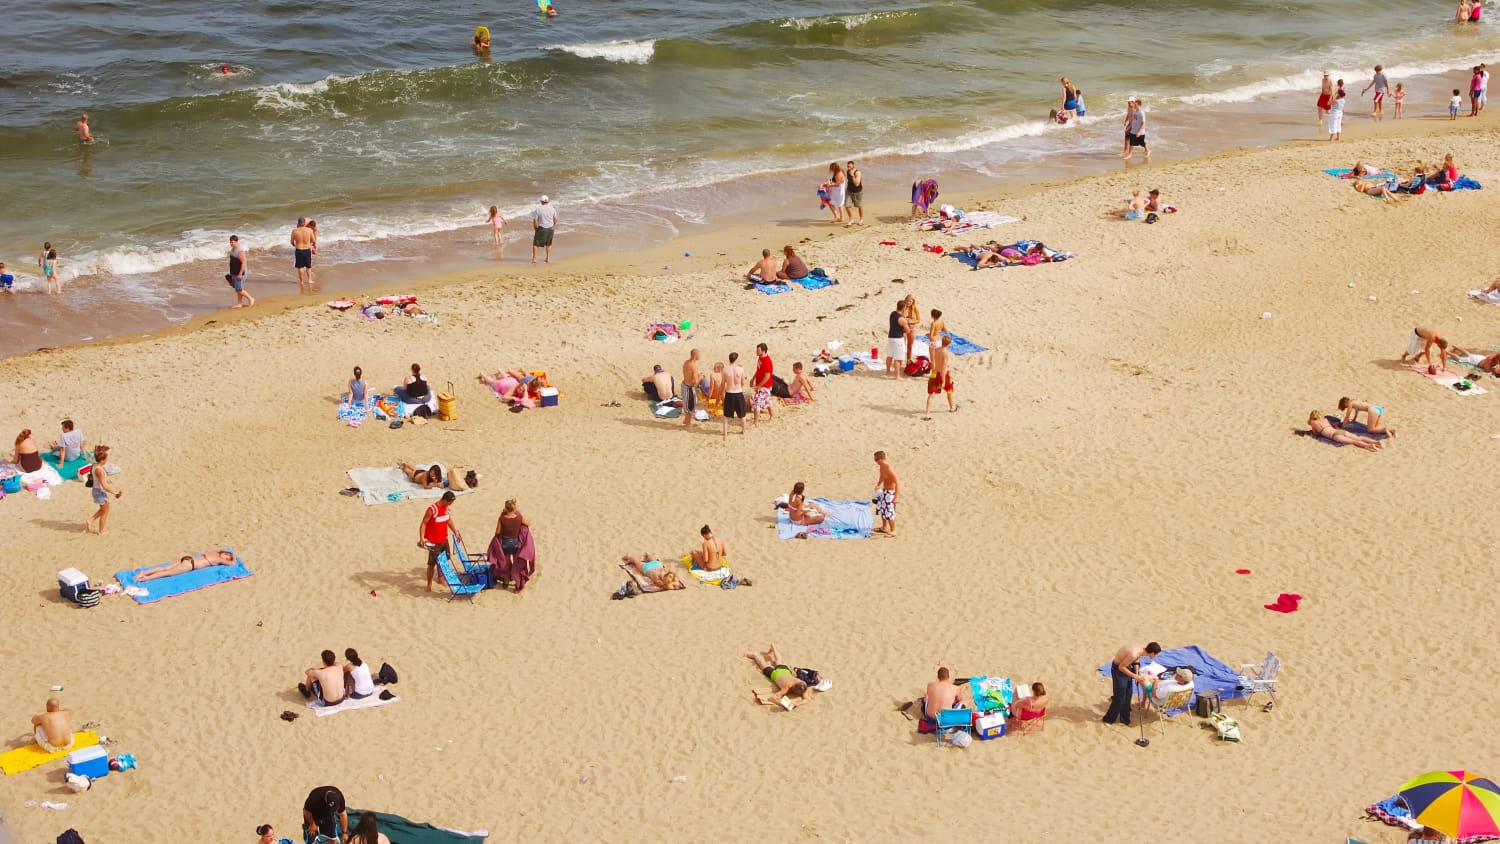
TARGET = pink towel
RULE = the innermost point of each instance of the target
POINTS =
(1285, 602)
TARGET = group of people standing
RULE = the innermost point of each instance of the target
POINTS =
(901, 336)
(844, 189)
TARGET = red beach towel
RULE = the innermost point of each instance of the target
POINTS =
(1285, 602)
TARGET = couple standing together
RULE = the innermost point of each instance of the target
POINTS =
(845, 188)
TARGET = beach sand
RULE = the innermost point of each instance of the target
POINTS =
(1125, 446)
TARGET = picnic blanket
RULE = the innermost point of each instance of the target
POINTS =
(641, 581)
(181, 584)
(385, 484)
(846, 520)
(773, 288)
(1448, 379)
(402, 831)
(31, 755)
(1209, 674)
(960, 346)
(1352, 427)
(69, 470)
(349, 704)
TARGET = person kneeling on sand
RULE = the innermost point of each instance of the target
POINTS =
(427, 478)
(764, 270)
(1374, 415)
(711, 555)
(51, 729)
(1325, 429)
(325, 682)
(652, 569)
(788, 686)
(222, 557)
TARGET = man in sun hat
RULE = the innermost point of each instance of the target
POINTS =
(543, 221)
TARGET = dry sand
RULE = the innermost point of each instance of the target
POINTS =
(1125, 446)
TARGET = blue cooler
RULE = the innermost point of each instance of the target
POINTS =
(846, 363)
(549, 397)
(11, 484)
(989, 725)
(91, 762)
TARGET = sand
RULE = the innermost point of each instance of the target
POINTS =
(1125, 446)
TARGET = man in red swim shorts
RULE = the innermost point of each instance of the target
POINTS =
(941, 379)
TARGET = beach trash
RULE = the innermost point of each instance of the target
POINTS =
(685, 325)
(1265, 315)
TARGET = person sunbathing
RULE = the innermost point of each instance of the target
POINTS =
(1026, 716)
(1135, 207)
(1374, 415)
(1376, 188)
(1358, 171)
(51, 729)
(222, 557)
(1490, 365)
(659, 385)
(790, 691)
(1010, 255)
(506, 383)
(800, 511)
(427, 478)
(1325, 429)
(652, 569)
(764, 270)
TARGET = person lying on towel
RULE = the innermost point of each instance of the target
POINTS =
(222, 557)
(652, 569)
(427, 478)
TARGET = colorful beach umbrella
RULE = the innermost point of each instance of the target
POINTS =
(1456, 803)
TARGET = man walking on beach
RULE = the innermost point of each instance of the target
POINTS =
(734, 393)
(1124, 673)
(1325, 99)
(762, 381)
(543, 221)
(432, 534)
(1378, 82)
(854, 188)
(941, 379)
(886, 491)
(692, 374)
(1135, 129)
(302, 254)
(239, 264)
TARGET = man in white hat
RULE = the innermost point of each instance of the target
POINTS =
(543, 221)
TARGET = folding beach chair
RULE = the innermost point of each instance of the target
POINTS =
(951, 722)
(472, 563)
(1262, 680)
(1175, 700)
(467, 584)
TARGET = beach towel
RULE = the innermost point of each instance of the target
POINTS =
(402, 831)
(712, 578)
(983, 220)
(988, 694)
(180, 584)
(1209, 674)
(959, 346)
(385, 484)
(869, 362)
(1374, 173)
(1464, 183)
(349, 704)
(25, 758)
(666, 332)
(1020, 246)
(772, 289)
(641, 581)
(70, 470)
(846, 520)
(815, 282)
(1286, 602)
(355, 413)
(1448, 379)
(1493, 297)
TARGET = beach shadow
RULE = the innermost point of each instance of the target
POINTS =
(411, 584)
(59, 525)
(1080, 714)
(52, 596)
(1391, 365)
(648, 423)
(914, 411)
(766, 520)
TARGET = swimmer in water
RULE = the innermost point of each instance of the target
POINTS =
(82, 127)
(547, 7)
(481, 38)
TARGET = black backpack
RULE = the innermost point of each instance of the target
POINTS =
(70, 837)
(779, 388)
(387, 674)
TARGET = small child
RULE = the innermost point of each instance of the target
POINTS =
(1399, 97)
(7, 281)
(1058, 117)
(1454, 103)
(1336, 116)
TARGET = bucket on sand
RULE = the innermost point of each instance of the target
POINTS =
(447, 405)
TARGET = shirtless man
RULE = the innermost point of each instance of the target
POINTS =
(1124, 673)
(222, 557)
(51, 729)
(886, 491)
(941, 378)
(692, 377)
(710, 556)
(326, 682)
(941, 694)
(302, 254)
(790, 693)
(1374, 415)
(854, 192)
(734, 394)
(82, 128)
(1420, 346)
(764, 270)
(661, 381)
(801, 388)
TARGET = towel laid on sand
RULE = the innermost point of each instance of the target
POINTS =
(384, 484)
(846, 520)
(402, 831)
(1372, 173)
(815, 282)
(959, 346)
(1493, 297)
(355, 412)
(712, 578)
(772, 289)
(349, 704)
(73, 469)
(181, 584)
(641, 581)
(1021, 246)
(1286, 602)
(1448, 379)
(1209, 674)
(30, 756)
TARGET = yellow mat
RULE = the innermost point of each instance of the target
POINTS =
(28, 757)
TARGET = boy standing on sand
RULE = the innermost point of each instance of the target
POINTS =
(887, 488)
(1378, 82)
(941, 379)
(692, 376)
(302, 254)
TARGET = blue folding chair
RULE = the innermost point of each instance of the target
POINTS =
(951, 722)
(473, 564)
(467, 584)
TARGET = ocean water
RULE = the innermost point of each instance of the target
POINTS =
(641, 118)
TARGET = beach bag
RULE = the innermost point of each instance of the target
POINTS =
(919, 366)
(818, 272)
(89, 481)
(779, 388)
(386, 675)
(70, 837)
(1207, 704)
(88, 598)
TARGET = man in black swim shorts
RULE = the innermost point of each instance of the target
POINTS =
(303, 238)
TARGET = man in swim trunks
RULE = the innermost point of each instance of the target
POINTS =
(432, 533)
(1135, 129)
(239, 265)
(1379, 83)
(764, 270)
(790, 691)
(659, 385)
(734, 394)
(325, 682)
(941, 378)
(762, 381)
(7, 281)
(543, 223)
(692, 379)
(82, 128)
(1325, 98)
(886, 491)
(302, 254)
(51, 729)
(1423, 339)
(854, 194)
(941, 694)
(895, 351)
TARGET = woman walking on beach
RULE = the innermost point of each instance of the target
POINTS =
(102, 490)
(497, 223)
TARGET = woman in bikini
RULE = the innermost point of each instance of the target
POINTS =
(800, 511)
(1374, 415)
(27, 455)
(222, 557)
(427, 478)
(651, 568)
(1325, 429)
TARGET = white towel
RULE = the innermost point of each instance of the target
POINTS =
(348, 704)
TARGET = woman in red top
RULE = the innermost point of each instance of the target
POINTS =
(762, 381)
(432, 535)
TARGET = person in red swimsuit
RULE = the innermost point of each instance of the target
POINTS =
(1028, 714)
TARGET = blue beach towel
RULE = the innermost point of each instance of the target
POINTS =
(192, 581)
(962, 346)
(1465, 183)
(846, 520)
(815, 282)
(1020, 245)
(1352, 427)
(772, 289)
(1209, 674)
(1343, 173)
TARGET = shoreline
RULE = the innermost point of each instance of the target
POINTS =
(89, 316)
